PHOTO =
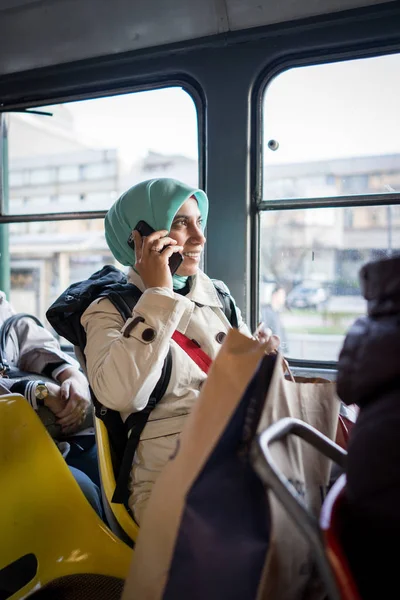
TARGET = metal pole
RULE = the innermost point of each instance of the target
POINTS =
(4, 237)
(390, 231)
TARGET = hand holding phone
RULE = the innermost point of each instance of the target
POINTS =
(153, 271)
(145, 230)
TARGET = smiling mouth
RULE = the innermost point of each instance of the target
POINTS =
(192, 254)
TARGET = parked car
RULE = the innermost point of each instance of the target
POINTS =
(307, 295)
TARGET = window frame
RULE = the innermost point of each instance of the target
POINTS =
(182, 80)
(259, 205)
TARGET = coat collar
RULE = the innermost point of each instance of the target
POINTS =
(202, 291)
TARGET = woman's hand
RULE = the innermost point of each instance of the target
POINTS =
(151, 263)
(77, 403)
(53, 401)
(265, 336)
(69, 401)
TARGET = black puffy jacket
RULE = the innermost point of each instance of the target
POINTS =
(369, 376)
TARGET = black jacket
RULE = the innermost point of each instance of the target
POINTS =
(369, 376)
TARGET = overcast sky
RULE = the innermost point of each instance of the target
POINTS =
(327, 111)
(164, 121)
(336, 110)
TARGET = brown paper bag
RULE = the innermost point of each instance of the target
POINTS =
(290, 569)
(227, 380)
(206, 532)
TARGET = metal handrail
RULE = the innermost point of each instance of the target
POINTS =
(286, 493)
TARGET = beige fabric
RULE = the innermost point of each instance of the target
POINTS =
(287, 572)
(150, 459)
(226, 382)
(290, 564)
(123, 371)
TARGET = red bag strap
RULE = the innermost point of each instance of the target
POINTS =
(343, 431)
(191, 348)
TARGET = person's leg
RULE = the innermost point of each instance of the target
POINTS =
(89, 489)
(83, 456)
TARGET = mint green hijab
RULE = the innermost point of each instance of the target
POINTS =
(155, 201)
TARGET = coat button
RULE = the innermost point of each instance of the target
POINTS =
(148, 334)
(220, 337)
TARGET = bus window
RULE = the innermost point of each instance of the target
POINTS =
(314, 255)
(336, 130)
(330, 142)
(79, 157)
(46, 257)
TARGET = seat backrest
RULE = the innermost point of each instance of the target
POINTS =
(44, 515)
(120, 520)
(331, 526)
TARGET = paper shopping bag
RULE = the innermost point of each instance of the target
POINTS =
(205, 532)
(290, 573)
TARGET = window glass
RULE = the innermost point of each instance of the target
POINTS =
(16, 178)
(81, 159)
(96, 149)
(328, 131)
(68, 173)
(41, 176)
(99, 170)
(46, 257)
(309, 264)
(332, 130)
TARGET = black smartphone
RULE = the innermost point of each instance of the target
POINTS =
(144, 229)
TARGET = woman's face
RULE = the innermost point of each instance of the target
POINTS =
(187, 230)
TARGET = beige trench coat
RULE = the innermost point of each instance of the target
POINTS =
(123, 371)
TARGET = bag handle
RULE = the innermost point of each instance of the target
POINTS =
(286, 369)
(346, 419)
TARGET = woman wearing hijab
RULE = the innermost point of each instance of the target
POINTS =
(123, 371)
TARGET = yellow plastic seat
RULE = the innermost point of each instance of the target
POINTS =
(43, 512)
(120, 520)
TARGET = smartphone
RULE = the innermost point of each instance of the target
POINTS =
(144, 229)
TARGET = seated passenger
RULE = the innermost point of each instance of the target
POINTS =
(123, 371)
(33, 349)
(369, 375)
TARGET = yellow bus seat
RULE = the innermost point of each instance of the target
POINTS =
(119, 519)
(81, 587)
(48, 530)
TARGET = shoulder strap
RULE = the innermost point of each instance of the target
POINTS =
(5, 332)
(134, 426)
(193, 349)
(228, 304)
(124, 297)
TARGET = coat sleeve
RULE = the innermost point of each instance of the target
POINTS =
(38, 348)
(35, 347)
(5, 385)
(123, 369)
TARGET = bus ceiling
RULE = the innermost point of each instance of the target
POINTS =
(45, 33)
